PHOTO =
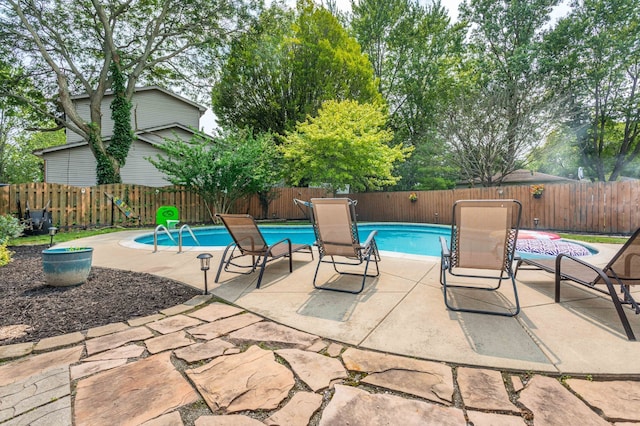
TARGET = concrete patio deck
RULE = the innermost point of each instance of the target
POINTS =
(402, 311)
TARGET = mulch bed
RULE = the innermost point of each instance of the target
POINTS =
(108, 296)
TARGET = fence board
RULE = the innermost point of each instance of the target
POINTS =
(609, 207)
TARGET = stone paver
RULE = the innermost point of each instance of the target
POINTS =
(173, 324)
(317, 371)
(206, 350)
(175, 310)
(14, 331)
(15, 351)
(251, 380)
(57, 413)
(492, 419)
(429, 380)
(92, 367)
(19, 370)
(543, 395)
(106, 329)
(125, 393)
(128, 377)
(171, 419)
(274, 334)
(112, 341)
(355, 407)
(58, 342)
(34, 392)
(484, 390)
(298, 410)
(229, 420)
(168, 341)
(334, 349)
(224, 326)
(123, 352)
(136, 322)
(624, 407)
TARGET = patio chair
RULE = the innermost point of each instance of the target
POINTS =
(35, 222)
(623, 270)
(249, 241)
(334, 223)
(483, 237)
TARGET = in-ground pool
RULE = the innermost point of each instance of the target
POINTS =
(397, 237)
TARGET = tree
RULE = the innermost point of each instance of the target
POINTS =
(17, 164)
(20, 165)
(593, 63)
(414, 51)
(345, 144)
(506, 83)
(559, 156)
(69, 47)
(224, 169)
(286, 66)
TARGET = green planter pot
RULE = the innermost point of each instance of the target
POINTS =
(66, 266)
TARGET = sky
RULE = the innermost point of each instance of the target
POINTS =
(207, 122)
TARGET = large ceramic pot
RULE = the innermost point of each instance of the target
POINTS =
(66, 266)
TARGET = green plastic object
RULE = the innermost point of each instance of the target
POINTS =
(167, 216)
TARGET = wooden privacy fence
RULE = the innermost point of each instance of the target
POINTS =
(89, 207)
(609, 207)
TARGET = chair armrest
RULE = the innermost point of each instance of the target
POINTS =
(370, 239)
(444, 248)
(304, 203)
(560, 275)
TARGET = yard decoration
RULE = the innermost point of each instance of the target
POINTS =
(66, 266)
(537, 190)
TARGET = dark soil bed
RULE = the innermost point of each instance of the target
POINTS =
(108, 296)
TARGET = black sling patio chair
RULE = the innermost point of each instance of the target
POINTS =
(483, 238)
(249, 241)
(35, 222)
(336, 230)
(623, 270)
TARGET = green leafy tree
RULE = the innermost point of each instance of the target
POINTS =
(286, 66)
(69, 47)
(222, 169)
(593, 64)
(16, 115)
(414, 50)
(502, 112)
(345, 144)
(559, 156)
(21, 166)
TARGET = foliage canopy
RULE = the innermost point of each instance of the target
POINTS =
(345, 144)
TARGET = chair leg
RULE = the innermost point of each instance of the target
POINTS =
(443, 281)
(614, 298)
(364, 275)
(222, 261)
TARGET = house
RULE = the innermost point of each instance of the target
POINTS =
(156, 114)
(525, 177)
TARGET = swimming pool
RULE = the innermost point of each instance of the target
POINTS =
(395, 237)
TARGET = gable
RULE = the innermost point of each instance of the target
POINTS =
(151, 107)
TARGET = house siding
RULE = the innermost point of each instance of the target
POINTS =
(138, 170)
(150, 108)
(77, 167)
(73, 166)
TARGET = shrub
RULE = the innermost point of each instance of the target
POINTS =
(5, 254)
(10, 227)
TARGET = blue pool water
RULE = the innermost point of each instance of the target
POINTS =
(397, 237)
